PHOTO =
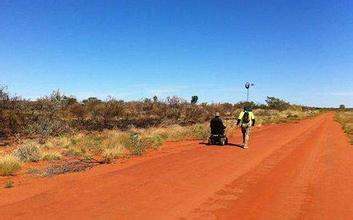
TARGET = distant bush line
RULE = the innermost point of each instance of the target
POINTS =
(58, 114)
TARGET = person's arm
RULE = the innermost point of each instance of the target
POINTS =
(224, 127)
(212, 123)
(253, 119)
(240, 117)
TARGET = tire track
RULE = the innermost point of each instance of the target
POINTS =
(229, 202)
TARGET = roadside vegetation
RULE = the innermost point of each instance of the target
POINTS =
(9, 165)
(345, 118)
(71, 135)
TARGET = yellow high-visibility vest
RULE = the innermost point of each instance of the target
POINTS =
(251, 115)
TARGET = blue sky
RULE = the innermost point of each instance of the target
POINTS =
(301, 51)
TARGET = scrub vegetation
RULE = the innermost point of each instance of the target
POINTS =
(345, 118)
(9, 165)
(71, 135)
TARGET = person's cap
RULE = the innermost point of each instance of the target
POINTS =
(217, 114)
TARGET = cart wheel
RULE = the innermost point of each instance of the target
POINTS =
(223, 142)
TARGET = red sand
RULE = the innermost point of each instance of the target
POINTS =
(291, 171)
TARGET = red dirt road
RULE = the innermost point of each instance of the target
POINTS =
(291, 171)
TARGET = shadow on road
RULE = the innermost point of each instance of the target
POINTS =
(227, 145)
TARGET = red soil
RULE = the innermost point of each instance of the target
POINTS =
(290, 171)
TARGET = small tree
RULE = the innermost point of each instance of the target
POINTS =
(91, 100)
(249, 104)
(276, 103)
(194, 99)
(342, 106)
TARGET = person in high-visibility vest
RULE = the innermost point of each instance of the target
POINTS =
(245, 121)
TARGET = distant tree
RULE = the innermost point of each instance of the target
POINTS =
(147, 100)
(155, 98)
(56, 96)
(91, 100)
(249, 104)
(276, 103)
(4, 95)
(194, 99)
(342, 107)
(69, 100)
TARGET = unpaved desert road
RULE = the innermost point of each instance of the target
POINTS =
(298, 170)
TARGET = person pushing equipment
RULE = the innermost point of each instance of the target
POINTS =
(246, 120)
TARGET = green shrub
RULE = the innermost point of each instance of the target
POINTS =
(28, 153)
(154, 141)
(9, 165)
(93, 143)
(276, 103)
(134, 144)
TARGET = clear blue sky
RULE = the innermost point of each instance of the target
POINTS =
(298, 50)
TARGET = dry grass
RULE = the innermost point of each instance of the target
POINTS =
(76, 151)
(108, 145)
(9, 165)
(345, 118)
(112, 144)
(51, 155)
(110, 154)
(275, 116)
(69, 167)
(59, 142)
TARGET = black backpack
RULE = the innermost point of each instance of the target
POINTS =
(246, 117)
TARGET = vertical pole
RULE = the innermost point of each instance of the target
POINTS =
(247, 95)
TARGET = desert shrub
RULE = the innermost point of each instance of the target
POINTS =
(276, 103)
(113, 138)
(33, 171)
(135, 144)
(154, 141)
(53, 155)
(93, 143)
(192, 114)
(58, 114)
(46, 126)
(28, 153)
(292, 116)
(58, 142)
(177, 132)
(69, 167)
(345, 118)
(201, 131)
(76, 151)
(9, 184)
(109, 154)
(9, 165)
